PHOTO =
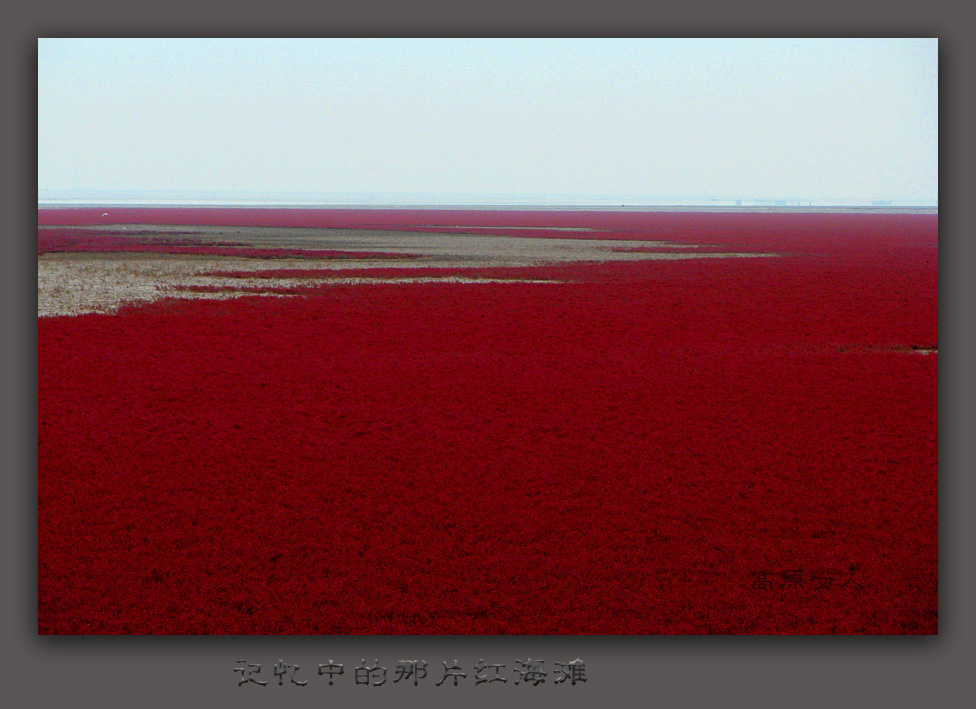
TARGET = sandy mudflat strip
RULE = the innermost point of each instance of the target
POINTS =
(72, 284)
(500, 250)
(79, 282)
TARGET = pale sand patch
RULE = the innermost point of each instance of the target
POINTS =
(75, 283)
(499, 250)
(70, 285)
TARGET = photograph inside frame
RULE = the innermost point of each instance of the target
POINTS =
(487, 337)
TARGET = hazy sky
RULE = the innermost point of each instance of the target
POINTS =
(800, 118)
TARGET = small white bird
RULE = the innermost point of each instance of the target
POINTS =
(105, 214)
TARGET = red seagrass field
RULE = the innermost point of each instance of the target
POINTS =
(714, 445)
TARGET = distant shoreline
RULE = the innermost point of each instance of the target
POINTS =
(775, 209)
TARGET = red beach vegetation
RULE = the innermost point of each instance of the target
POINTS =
(717, 445)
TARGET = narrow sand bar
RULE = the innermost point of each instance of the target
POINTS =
(70, 283)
